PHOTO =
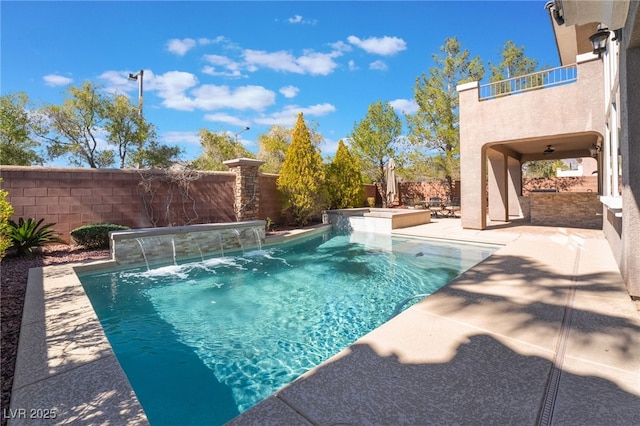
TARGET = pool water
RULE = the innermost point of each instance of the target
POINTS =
(203, 342)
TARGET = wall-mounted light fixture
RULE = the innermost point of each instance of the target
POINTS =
(594, 150)
(599, 40)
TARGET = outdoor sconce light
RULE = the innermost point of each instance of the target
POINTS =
(599, 40)
(594, 150)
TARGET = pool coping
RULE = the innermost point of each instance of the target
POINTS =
(65, 362)
(66, 370)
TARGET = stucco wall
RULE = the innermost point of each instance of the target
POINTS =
(629, 259)
(565, 110)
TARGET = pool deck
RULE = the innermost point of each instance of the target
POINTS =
(542, 332)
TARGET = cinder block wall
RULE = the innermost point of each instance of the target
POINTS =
(562, 184)
(270, 199)
(74, 197)
(422, 191)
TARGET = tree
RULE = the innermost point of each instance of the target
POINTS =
(542, 168)
(127, 128)
(18, 130)
(88, 123)
(155, 155)
(375, 139)
(344, 180)
(219, 147)
(514, 63)
(301, 179)
(77, 127)
(435, 125)
(273, 148)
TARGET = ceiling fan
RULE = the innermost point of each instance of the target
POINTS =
(549, 150)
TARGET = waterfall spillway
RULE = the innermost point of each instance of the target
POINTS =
(237, 232)
(258, 240)
(173, 245)
(144, 255)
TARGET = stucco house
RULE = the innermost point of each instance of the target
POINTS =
(587, 107)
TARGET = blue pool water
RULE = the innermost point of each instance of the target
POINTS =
(202, 342)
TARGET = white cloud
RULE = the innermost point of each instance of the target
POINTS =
(225, 118)
(206, 41)
(55, 80)
(178, 137)
(207, 69)
(405, 106)
(180, 47)
(171, 87)
(231, 67)
(341, 46)
(289, 91)
(297, 19)
(380, 46)
(329, 147)
(209, 97)
(378, 65)
(310, 63)
(352, 65)
(289, 114)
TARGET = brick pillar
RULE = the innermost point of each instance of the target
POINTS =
(247, 187)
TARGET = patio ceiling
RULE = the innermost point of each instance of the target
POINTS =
(567, 146)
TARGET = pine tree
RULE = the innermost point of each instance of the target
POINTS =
(434, 127)
(344, 180)
(301, 179)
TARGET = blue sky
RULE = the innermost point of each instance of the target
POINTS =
(226, 65)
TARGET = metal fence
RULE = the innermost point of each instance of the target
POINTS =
(538, 80)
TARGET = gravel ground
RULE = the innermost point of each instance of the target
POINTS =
(13, 283)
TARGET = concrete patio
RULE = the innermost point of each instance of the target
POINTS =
(542, 332)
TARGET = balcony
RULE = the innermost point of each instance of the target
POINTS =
(534, 81)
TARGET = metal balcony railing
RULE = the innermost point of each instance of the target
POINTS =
(538, 80)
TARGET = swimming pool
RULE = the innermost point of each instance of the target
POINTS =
(203, 342)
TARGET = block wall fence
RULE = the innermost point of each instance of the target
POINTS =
(72, 197)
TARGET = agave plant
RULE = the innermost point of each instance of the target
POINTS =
(29, 234)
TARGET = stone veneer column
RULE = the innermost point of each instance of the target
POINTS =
(247, 187)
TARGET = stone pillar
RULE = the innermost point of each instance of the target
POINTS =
(247, 187)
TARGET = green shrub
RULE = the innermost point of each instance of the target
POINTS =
(344, 180)
(29, 234)
(5, 213)
(95, 235)
(301, 178)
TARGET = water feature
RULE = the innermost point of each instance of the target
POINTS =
(230, 331)
(258, 240)
(175, 245)
(237, 232)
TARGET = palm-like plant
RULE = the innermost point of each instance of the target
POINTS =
(29, 234)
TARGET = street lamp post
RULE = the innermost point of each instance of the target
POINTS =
(138, 77)
(243, 130)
